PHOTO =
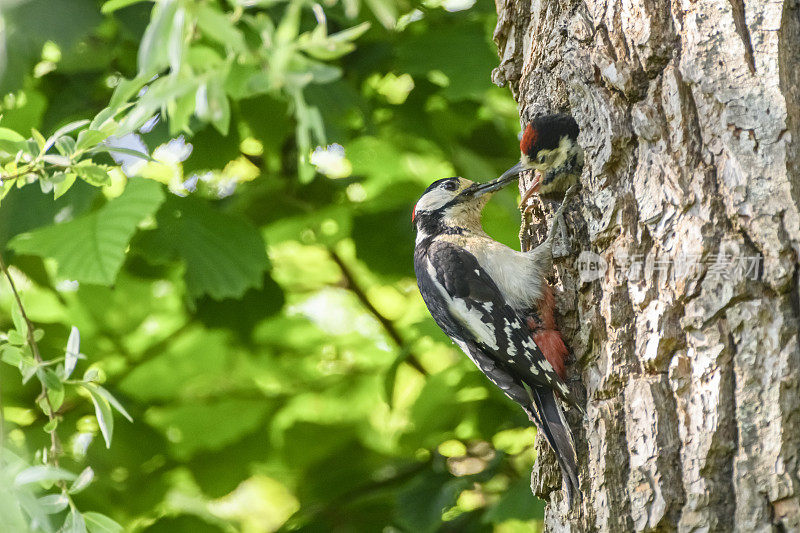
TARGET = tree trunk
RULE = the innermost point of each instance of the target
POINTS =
(688, 111)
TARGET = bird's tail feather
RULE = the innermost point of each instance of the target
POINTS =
(558, 435)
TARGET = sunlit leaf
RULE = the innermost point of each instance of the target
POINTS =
(219, 27)
(53, 503)
(63, 130)
(74, 523)
(152, 49)
(99, 523)
(40, 473)
(54, 385)
(113, 5)
(83, 480)
(20, 324)
(102, 410)
(91, 248)
(62, 182)
(89, 138)
(111, 400)
(72, 352)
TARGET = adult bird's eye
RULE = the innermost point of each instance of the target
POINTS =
(450, 185)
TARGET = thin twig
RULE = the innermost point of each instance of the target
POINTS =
(52, 457)
(387, 324)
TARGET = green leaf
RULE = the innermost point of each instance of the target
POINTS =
(111, 400)
(74, 523)
(40, 473)
(89, 138)
(57, 160)
(385, 11)
(69, 128)
(15, 338)
(39, 138)
(53, 503)
(11, 141)
(72, 352)
(123, 92)
(11, 354)
(91, 248)
(113, 5)
(208, 426)
(99, 523)
(218, 26)
(351, 34)
(63, 130)
(55, 388)
(213, 106)
(152, 55)
(27, 366)
(224, 255)
(102, 410)
(422, 501)
(91, 173)
(62, 182)
(121, 150)
(327, 47)
(83, 480)
(176, 41)
(10, 135)
(65, 146)
(20, 324)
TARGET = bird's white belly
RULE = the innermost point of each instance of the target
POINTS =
(515, 273)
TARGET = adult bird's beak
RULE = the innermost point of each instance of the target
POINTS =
(513, 171)
(480, 189)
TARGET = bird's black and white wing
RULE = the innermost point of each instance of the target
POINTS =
(470, 308)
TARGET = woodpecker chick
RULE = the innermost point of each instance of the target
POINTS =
(481, 293)
(549, 146)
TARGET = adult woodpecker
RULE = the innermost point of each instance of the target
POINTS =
(549, 146)
(485, 296)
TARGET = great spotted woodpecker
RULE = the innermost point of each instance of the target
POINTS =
(482, 294)
(549, 146)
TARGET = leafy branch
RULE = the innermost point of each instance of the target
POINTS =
(55, 446)
(24, 337)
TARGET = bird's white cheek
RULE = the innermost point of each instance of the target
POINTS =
(432, 201)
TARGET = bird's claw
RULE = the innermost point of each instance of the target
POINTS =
(570, 193)
(558, 218)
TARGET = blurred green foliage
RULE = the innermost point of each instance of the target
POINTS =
(226, 257)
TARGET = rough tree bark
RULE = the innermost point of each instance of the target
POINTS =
(690, 115)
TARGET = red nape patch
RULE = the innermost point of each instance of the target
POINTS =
(528, 140)
(413, 213)
(554, 350)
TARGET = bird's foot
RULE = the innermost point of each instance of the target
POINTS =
(558, 218)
